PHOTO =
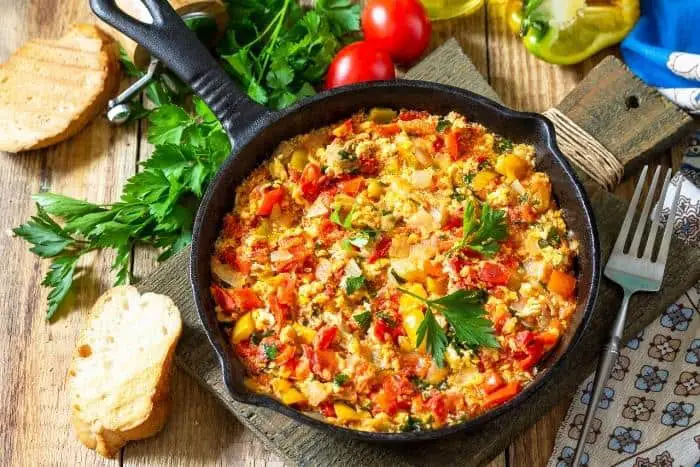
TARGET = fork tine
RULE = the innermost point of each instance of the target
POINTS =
(651, 240)
(634, 248)
(668, 231)
(624, 230)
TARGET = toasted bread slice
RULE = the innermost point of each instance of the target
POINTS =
(50, 89)
(119, 379)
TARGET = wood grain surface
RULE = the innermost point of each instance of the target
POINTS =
(34, 428)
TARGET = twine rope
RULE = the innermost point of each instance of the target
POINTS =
(585, 152)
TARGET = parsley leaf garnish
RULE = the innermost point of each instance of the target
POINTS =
(442, 125)
(363, 320)
(501, 145)
(483, 236)
(353, 284)
(340, 379)
(464, 311)
(271, 351)
(553, 239)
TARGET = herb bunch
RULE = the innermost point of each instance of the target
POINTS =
(277, 51)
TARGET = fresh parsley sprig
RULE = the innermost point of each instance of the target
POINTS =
(156, 208)
(483, 235)
(464, 311)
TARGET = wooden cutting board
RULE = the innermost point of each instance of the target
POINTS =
(600, 104)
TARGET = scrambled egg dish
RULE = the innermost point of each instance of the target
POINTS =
(397, 271)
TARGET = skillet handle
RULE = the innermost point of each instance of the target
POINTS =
(177, 47)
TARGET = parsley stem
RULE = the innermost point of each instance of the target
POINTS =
(273, 39)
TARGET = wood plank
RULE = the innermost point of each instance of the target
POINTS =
(34, 406)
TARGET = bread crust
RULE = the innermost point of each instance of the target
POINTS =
(51, 89)
(107, 414)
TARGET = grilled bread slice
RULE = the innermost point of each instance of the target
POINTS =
(50, 89)
(119, 379)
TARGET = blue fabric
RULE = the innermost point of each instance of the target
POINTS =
(665, 26)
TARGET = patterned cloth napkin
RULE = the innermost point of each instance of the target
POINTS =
(649, 415)
(664, 49)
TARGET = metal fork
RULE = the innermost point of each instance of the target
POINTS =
(634, 273)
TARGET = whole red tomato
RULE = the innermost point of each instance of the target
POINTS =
(400, 27)
(357, 62)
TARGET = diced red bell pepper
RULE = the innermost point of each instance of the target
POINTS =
(407, 115)
(381, 250)
(548, 339)
(503, 394)
(562, 283)
(309, 181)
(452, 145)
(223, 299)
(494, 274)
(436, 404)
(327, 408)
(323, 363)
(270, 199)
(324, 337)
(368, 164)
(389, 129)
(492, 382)
(246, 299)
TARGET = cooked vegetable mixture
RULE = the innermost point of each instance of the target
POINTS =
(397, 271)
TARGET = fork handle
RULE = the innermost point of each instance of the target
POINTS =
(611, 350)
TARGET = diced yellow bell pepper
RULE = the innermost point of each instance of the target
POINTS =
(412, 320)
(293, 396)
(540, 195)
(512, 166)
(299, 159)
(305, 334)
(436, 286)
(483, 179)
(243, 329)
(374, 189)
(405, 149)
(345, 413)
(281, 385)
(408, 303)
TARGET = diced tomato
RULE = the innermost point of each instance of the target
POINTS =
(324, 337)
(323, 362)
(436, 404)
(270, 199)
(368, 164)
(503, 394)
(438, 144)
(389, 129)
(223, 299)
(523, 339)
(287, 291)
(327, 408)
(494, 274)
(547, 339)
(228, 256)
(467, 139)
(453, 222)
(246, 299)
(395, 394)
(492, 382)
(385, 330)
(352, 186)
(452, 145)
(283, 302)
(285, 353)
(250, 355)
(407, 115)
(243, 265)
(309, 181)
(381, 250)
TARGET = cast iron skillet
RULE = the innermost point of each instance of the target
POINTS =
(255, 131)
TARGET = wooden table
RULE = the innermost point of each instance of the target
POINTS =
(34, 412)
